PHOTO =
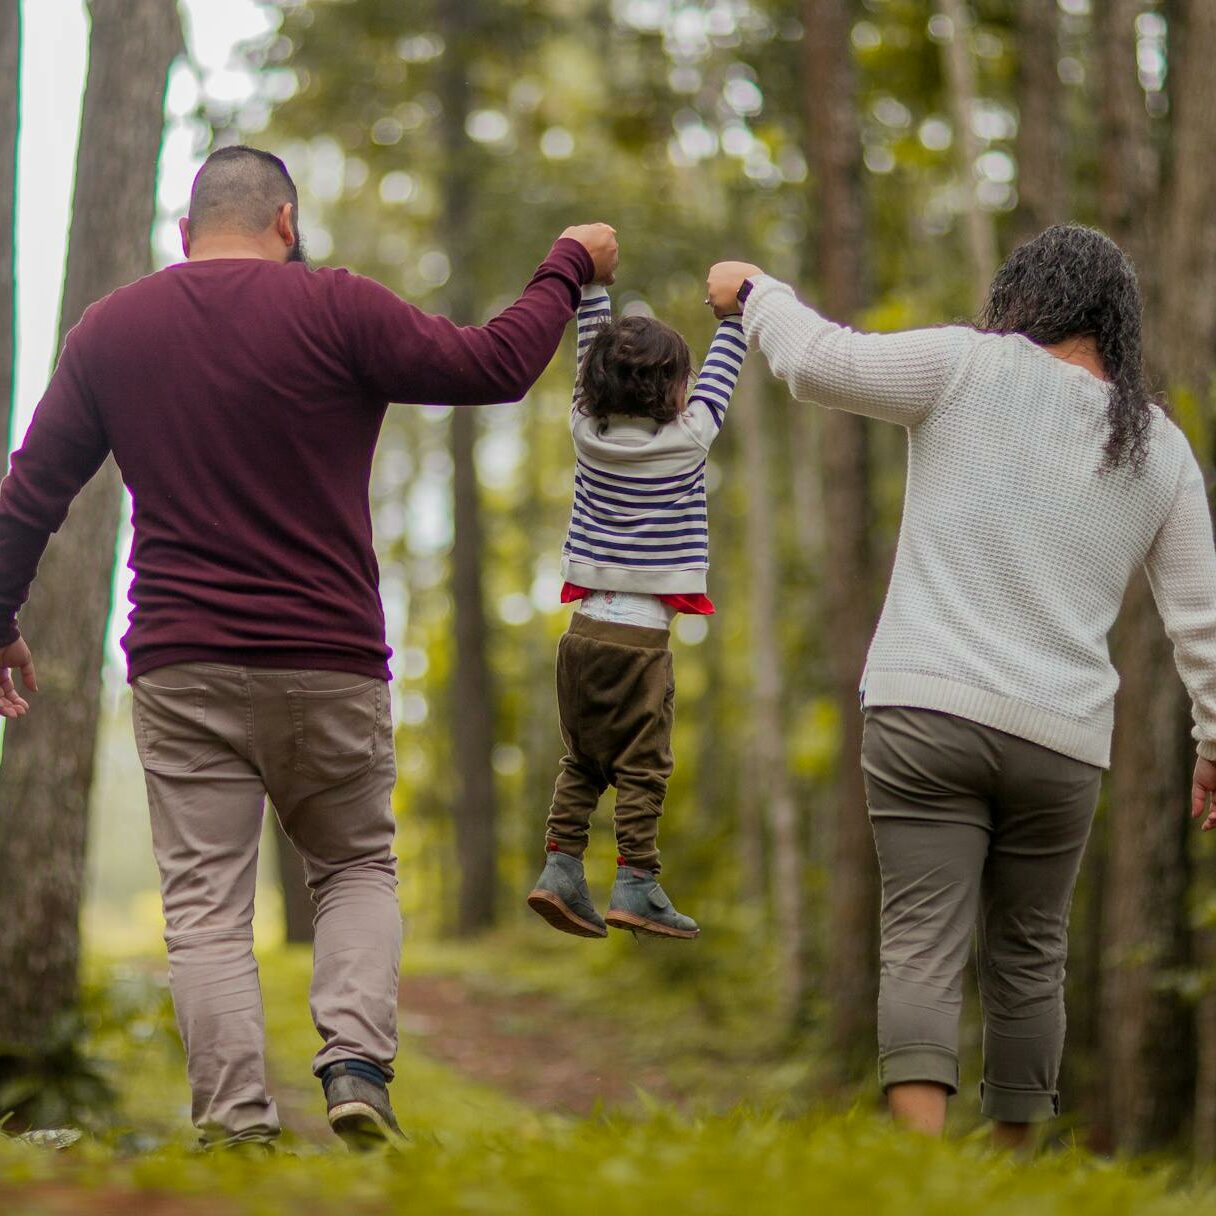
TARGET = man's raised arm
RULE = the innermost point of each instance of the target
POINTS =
(413, 357)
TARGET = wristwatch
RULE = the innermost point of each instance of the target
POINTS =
(744, 291)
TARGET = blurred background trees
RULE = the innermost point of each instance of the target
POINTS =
(10, 108)
(46, 773)
(881, 154)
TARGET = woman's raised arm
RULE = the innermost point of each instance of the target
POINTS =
(897, 377)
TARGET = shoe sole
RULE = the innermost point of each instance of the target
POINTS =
(639, 924)
(553, 909)
(363, 1129)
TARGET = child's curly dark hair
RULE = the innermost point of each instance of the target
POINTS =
(635, 366)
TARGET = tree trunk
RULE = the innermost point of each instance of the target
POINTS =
(1187, 306)
(473, 701)
(1188, 251)
(835, 156)
(1148, 1055)
(959, 71)
(47, 768)
(10, 110)
(1042, 193)
(1128, 170)
(298, 908)
(768, 734)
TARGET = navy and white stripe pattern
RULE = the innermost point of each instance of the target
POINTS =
(720, 371)
(644, 509)
(640, 522)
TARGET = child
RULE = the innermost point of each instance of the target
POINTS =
(635, 555)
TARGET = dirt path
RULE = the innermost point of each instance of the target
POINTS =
(527, 1045)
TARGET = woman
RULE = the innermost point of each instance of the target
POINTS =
(1041, 477)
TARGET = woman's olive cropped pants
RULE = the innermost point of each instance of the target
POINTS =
(975, 829)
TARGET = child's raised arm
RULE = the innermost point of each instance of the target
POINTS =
(711, 394)
(594, 311)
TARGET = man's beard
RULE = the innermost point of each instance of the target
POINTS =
(297, 253)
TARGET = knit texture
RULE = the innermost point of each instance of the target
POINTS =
(640, 519)
(1015, 550)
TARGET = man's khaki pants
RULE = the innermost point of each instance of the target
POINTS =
(214, 741)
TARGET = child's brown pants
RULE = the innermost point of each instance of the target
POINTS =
(615, 697)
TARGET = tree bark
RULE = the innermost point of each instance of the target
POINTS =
(473, 700)
(1042, 189)
(959, 70)
(47, 768)
(298, 908)
(10, 116)
(1187, 340)
(1146, 1051)
(1149, 1053)
(768, 719)
(1129, 175)
(834, 147)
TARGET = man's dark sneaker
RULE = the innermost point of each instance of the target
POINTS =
(640, 904)
(359, 1109)
(561, 896)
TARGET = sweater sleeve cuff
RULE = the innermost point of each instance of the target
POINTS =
(763, 286)
(1207, 749)
(9, 632)
(575, 254)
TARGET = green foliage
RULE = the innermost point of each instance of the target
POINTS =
(478, 1151)
(55, 1084)
(734, 1165)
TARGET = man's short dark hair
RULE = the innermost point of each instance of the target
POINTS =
(240, 189)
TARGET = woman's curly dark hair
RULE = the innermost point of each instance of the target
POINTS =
(1068, 282)
(636, 366)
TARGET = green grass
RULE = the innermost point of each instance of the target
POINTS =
(478, 1151)
(743, 1163)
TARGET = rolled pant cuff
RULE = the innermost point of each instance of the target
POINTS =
(1017, 1105)
(922, 1062)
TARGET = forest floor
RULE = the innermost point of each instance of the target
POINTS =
(538, 1076)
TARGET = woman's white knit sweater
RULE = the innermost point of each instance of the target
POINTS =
(1015, 549)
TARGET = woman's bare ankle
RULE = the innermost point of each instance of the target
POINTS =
(1014, 1137)
(918, 1106)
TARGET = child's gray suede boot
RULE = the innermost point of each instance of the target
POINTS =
(562, 897)
(640, 904)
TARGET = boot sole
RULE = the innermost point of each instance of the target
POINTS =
(553, 909)
(363, 1129)
(639, 924)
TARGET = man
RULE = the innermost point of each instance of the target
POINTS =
(242, 395)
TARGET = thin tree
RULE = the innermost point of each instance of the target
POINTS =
(1148, 1049)
(1042, 187)
(834, 146)
(768, 727)
(1128, 170)
(1187, 340)
(10, 115)
(958, 66)
(473, 701)
(298, 908)
(47, 769)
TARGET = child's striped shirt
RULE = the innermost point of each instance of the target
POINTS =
(639, 520)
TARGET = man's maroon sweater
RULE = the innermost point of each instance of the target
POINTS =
(242, 400)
